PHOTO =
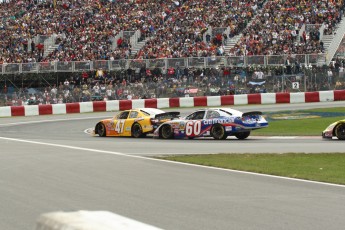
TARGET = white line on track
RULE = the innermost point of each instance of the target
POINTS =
(286, 137)
(282, 137)
(53, 120)
(166, 161)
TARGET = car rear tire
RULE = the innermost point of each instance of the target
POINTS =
(166, 132)
(340, 131)
(242, 135)
(137, 131)
(100, 128)
(218, 132)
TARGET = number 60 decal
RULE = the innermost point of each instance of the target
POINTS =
(193, 128)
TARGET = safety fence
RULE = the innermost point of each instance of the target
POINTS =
(164, 63)
(54, 88)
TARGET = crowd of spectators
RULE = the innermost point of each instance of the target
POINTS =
(129, 84)
(276, 29)
(182, 32)
(85, 30)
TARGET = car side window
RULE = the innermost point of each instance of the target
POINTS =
(133, 114)
(123, 115)
(212, 114)
(199, 115)
(196, 116)
(191, 116)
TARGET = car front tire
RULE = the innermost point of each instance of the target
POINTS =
(340, 131)
(101, 130)
(166, 132)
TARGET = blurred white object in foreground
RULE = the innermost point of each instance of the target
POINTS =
(88, 220)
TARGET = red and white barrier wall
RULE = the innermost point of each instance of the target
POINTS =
(243, 99)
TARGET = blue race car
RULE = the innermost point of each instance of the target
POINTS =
(218, 123)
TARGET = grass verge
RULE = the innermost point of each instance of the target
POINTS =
(300, 122)
(324, 167)
(296, 127)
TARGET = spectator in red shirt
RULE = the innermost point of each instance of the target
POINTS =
(119, 42)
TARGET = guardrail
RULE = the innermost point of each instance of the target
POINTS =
(197, 62)
(227, 100)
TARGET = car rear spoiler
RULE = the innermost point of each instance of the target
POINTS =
(168, 115)
(252, 113)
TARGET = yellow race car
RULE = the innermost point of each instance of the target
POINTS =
(336, 129)
(133, 122)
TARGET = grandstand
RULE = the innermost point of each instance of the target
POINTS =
(166, 47)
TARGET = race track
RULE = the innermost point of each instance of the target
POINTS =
(50, 164)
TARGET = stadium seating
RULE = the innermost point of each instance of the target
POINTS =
(86, 30)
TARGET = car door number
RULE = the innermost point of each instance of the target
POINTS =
(119, 126)
(193, 128)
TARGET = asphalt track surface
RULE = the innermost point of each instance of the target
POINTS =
(50, 164)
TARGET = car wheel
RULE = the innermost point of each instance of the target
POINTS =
(166, 132)
(340, 131)
(242, 135)
(218, 132)
(137, 131)
(100, 128)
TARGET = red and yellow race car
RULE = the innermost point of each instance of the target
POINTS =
(133, 123)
